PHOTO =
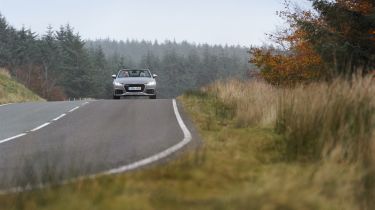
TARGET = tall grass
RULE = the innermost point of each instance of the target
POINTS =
(319, 119)
(254, 102)
(315, 119)
(321, 122)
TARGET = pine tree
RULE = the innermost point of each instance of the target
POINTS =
(75, 64)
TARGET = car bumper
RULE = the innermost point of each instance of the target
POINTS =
(123, 92)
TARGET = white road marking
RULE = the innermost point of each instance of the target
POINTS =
(13, 137)
(59, 117)
(75, 108)
(40, 127)
(5, 104)
(187, 138)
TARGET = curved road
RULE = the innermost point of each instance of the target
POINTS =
(45, 142)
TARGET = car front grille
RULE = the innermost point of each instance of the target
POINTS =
(150, 91)
(142, 86)
(119, 92)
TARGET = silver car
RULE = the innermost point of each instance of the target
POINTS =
(134, 82)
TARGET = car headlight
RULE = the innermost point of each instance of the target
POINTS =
(117, 83)
(152, 83)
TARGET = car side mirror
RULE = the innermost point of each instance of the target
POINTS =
(114, 76)
(154, 75)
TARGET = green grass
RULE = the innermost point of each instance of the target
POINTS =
(13, 92)
(243, 164)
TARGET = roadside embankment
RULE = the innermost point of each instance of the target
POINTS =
(13, 92)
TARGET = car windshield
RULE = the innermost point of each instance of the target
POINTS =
(134, 73)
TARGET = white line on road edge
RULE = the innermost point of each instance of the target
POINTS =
(40, 127)
(11, 138)
(187, 138)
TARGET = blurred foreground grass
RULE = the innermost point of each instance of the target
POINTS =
(253, 156)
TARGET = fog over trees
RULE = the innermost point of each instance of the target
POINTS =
(60, 64)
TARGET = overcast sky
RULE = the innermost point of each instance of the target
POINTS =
(233, 22)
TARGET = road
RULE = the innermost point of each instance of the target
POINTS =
(48, 141)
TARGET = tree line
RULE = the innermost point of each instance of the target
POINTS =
(60, 64)
(180, 66)
(336, 38)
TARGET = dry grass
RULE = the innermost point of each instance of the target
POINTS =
(254, 102)
(323, 122)
(249, 159)
(319, 119)
(13, 92)
(5, 72)
(315, 119)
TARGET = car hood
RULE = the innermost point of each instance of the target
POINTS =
(135, 80)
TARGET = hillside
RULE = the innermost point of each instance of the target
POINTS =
(12, 92)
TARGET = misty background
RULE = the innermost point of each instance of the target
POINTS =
(70, 49)
(236, 22)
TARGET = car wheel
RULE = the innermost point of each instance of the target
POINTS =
(153, 97)
(116, 97)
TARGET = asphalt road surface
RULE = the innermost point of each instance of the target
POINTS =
(53, 141)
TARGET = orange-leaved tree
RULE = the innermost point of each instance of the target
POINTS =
(293, 60)
(335, 38)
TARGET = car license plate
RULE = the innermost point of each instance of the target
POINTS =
(135, 88)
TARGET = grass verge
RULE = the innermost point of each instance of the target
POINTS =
(13, 92)
(248, 160)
